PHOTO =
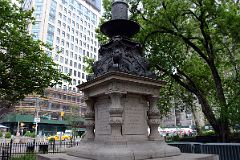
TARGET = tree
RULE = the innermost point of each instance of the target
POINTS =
(195, 44)
(24, 65)
(74, 119)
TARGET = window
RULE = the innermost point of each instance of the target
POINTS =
(58, 31)
(51, 28)
(36, 25)
(63, 34)
(38, 8)
(50, 38)
(58, 40)
(66, 61)
(74, 81)
(37, 15)
(51, 19)
(61, 59)
(65, 70)
(60, 15)
(56, 57)
(64, 25)
(59, 23)
(75, 73)
(38, 1)
(36, 34)
(70, 72)
(79, 66)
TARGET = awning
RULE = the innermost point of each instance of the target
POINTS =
(14, 118)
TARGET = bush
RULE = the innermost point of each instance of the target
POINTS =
(208, 133)
(8, 135)
(30, 134)
(27, 134)
(176, 138)
(26, 157)
(1, 134)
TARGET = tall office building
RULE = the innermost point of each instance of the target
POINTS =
(69, 26)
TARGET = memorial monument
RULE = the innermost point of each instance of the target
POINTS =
(121, 99)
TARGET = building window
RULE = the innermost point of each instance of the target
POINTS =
(36, 25)
(66, 61)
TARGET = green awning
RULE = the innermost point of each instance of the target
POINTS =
(80, 129)
(14, 118)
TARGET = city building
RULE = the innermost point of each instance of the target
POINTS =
(69, 27)
(182, 116)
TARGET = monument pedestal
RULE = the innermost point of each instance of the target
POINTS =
(120, 109)
(183, 156)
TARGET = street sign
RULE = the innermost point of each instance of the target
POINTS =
(37, 120)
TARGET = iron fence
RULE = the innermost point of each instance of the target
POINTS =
(226, 151)
(10, 149)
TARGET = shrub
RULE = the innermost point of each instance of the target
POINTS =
(33, 135)
(26, 157)
(208, 133)
(176, 138)
(8, 135)
(27, 134)
(1, 134)
(30, 134)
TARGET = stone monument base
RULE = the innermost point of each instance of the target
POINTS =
(154, 150)
(183, 156)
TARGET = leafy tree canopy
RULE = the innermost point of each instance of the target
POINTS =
(194, 44)
(24, 66)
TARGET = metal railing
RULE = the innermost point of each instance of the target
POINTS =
(10, 149)
(226, 151)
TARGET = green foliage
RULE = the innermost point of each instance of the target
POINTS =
(25, 157)
(194, 46)
(30, 134)
(8, 135)
(89, 62)
(24, 65)
(208, 133)
(74, 119)
(1, 134)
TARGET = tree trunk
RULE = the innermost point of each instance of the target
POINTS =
(196, 119)
(207, 110)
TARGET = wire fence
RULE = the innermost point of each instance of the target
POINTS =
(10, 149)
